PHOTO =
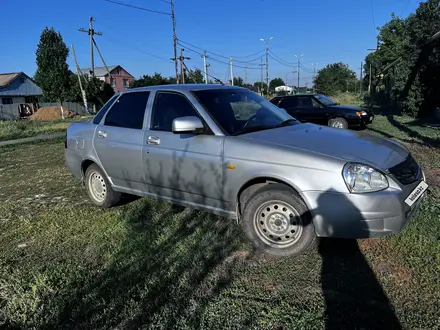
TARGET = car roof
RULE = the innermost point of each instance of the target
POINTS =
(183, 87)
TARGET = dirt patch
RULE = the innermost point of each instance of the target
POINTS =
(52, 113)
(433, 177)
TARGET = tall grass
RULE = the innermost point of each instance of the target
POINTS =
(10, 130)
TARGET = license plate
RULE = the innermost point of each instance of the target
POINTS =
(416, 193)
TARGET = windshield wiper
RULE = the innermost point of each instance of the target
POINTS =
(287, 122)
(254, 129)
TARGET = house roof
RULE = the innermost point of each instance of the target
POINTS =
(26, 88)
(7, 78)
(100, 71)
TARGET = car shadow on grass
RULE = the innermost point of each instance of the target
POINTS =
(354, 298)
(173, 263)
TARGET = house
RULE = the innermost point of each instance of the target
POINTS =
(18, 95)
(120, 78)
(17, 87)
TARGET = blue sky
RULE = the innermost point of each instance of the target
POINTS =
(324, 31)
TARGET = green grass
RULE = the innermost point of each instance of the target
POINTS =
(348, 99)
(146, 264)
(10, 130)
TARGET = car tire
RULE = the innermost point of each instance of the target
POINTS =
(338, 123)
(278, 222)
(99, 188)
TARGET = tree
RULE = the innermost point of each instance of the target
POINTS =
(238, 81)
(406, 67)
(97, 91)
(53, 74)
(156, 79)
(334, 78)
(260, 85)
(275, 83)
(195, 77)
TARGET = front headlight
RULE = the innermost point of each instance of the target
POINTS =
(361, 113)
(362, 178)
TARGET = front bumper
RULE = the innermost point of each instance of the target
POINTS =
(368, 119)
(345, 215)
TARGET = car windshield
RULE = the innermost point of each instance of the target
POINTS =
(240, 111)
(325, 100)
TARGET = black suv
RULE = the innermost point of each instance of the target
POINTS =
(322, 110)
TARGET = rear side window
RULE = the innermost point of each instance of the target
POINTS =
(128, 111)
(288, 103)
(104, 109)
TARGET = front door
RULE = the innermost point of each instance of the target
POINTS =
(118, 140)
(181, 166)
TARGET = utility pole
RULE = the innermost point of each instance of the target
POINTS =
(173, 19)
(299, 65)
(286, 83)
(362, 69)
(232, 73)
(91, 33)
(314, 76)
(261, 78)
(245, 75)
(267, 62)
(205, 66)
(182, 64)
(293, 78)
(267, 65)
(78, 73)
(369, 83)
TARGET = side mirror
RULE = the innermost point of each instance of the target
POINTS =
(188, 124)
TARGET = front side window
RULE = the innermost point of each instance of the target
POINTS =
(128, 111)
(239, 111)
(167, 107)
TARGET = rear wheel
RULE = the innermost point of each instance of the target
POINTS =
(338, 123)
(278, 221)
(99, 188)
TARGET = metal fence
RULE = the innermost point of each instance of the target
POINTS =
(72, 106)
(9, 112)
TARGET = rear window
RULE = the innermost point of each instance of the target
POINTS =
(104, 109)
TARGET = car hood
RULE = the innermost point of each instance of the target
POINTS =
(344, 144)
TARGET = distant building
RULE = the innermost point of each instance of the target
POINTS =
(17, 87)
(120, 78)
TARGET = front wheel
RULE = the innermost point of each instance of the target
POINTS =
(338, 123)
(278, 222)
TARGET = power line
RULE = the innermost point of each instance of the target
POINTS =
(274, 58)
(220, 61)
(280, 59)
(139, 8)
(186, 44)
(137, 49)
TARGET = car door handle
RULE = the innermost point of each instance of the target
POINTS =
(101, 134)
(153, 140)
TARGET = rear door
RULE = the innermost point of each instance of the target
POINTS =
(118, 139)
